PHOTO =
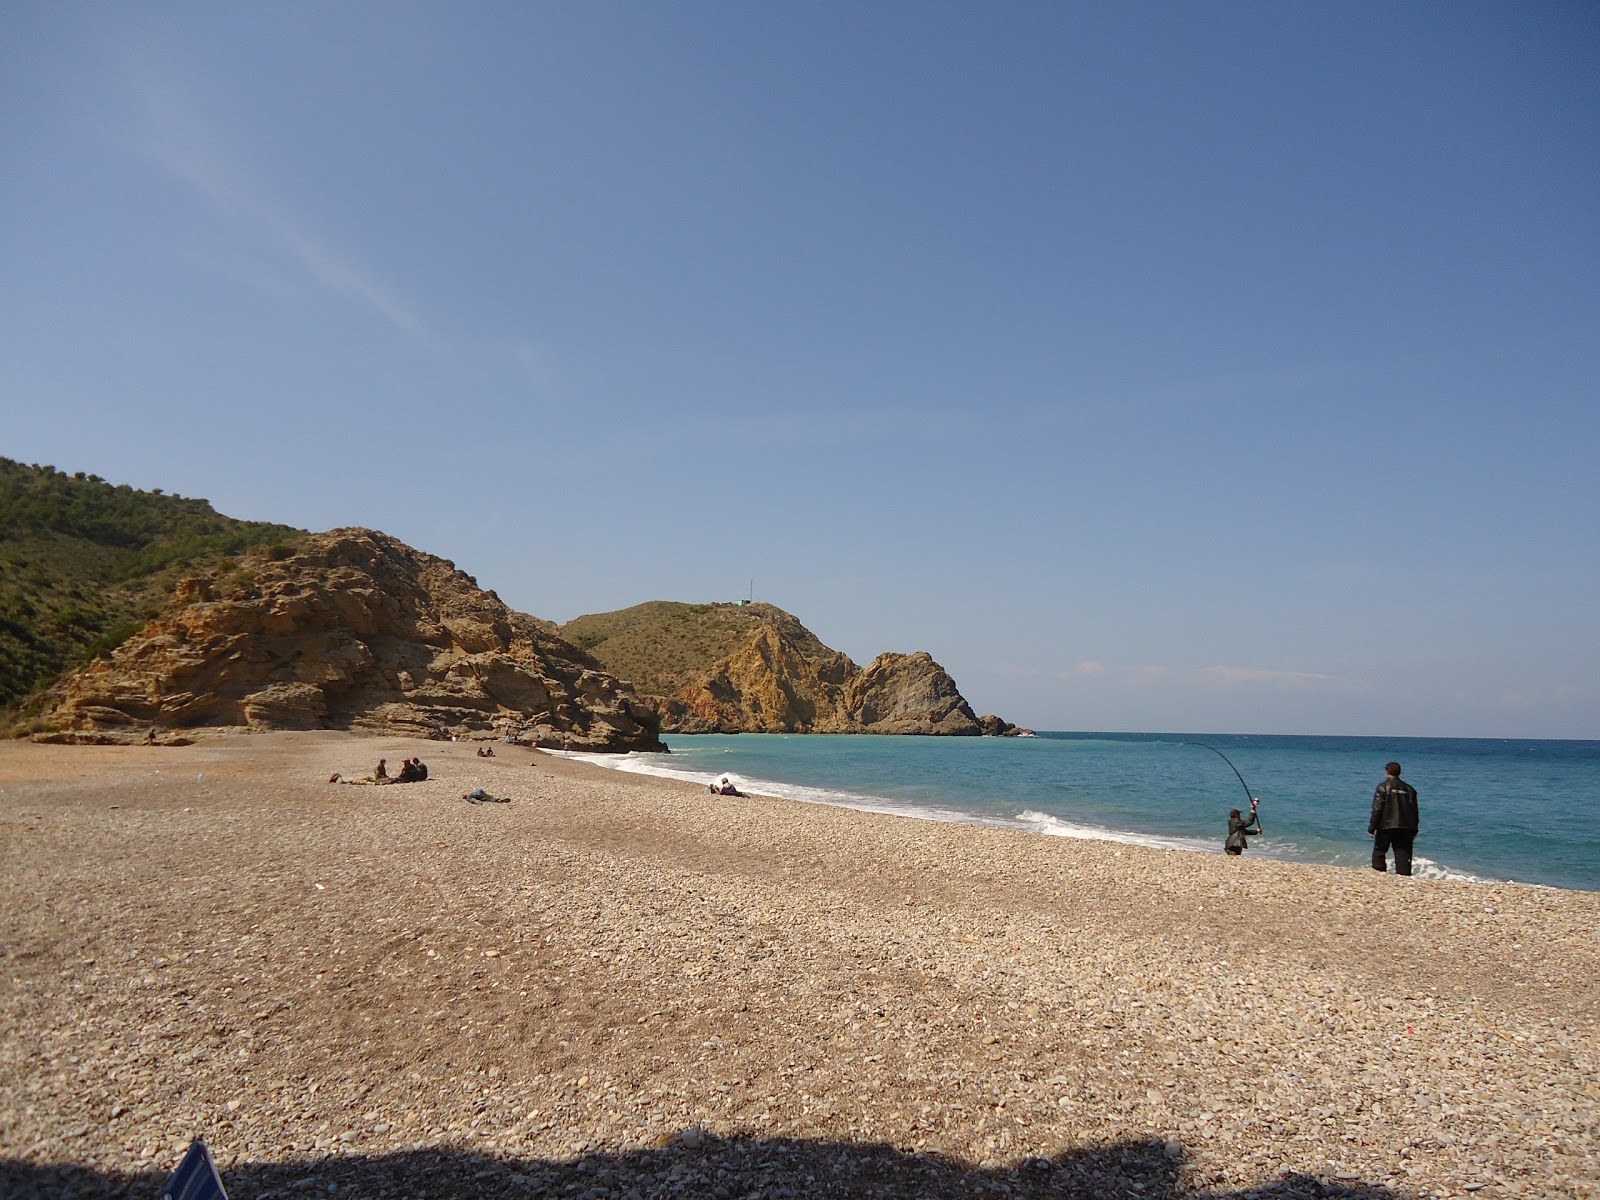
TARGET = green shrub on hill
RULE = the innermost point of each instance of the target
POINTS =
(661, 645)
(84, 563)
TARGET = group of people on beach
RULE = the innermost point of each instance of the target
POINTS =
(1392, 826)
(412, 770)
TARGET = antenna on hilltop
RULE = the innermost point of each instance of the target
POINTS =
(752, 591)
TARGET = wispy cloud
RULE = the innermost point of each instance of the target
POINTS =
(173, 134)
(1521, 700)
(1214, 677)
(1221, 676)
(1231, 676)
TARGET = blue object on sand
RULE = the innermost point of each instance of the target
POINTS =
(196, 1177)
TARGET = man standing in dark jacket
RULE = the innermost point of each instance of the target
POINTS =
(1394, 822)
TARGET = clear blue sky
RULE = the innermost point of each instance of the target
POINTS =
(1157, 366)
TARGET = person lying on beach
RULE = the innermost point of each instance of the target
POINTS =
(479, 796)
(1239, 828)
(724, 787)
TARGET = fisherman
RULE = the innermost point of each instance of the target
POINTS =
(1393, 821)
(1239, 828)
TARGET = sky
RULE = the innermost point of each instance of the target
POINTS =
(1155, 366)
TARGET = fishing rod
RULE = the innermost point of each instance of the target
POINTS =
(1229, 761)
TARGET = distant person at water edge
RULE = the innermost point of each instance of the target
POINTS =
(1239, 828)
(1394, 821)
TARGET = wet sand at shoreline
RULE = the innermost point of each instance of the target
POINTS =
(619, 985)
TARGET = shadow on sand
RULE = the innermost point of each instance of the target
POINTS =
(693, 1166)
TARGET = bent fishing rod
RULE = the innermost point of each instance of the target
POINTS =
(1229, 761)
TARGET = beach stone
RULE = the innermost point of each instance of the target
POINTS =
(1041, 1000)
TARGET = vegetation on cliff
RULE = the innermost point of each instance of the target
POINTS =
(350, 629)
(85, 563)
(662, 646)
(126, 613)
(755, 668)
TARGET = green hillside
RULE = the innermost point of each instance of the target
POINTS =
(662, 644)
(84, 563)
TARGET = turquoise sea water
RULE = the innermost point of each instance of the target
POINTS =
(1491, 810)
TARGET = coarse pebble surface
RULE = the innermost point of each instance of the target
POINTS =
(620, 986)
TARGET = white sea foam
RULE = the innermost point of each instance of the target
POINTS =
(652, 764)
(1055, 827)
(1428, 869)
(648, 764)
(1035, 822)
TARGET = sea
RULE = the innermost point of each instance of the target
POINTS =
(1493, 810)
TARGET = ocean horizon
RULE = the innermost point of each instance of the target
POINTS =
(1492, 809)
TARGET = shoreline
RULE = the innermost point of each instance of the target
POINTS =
(1028, 821)
(626, 972)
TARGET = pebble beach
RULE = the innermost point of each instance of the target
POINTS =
(618, 986)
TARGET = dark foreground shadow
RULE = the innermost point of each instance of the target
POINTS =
(692, 1166)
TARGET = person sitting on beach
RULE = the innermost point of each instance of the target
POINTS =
(381, 774)
(421, 769)
(1239, 828)
(408, 773)
(724, 787)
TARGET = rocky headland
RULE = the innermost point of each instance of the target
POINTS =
(130, 615)
(754, 668)
(85, 563)
(350, 629)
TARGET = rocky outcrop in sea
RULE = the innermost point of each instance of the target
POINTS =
(350, 629)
